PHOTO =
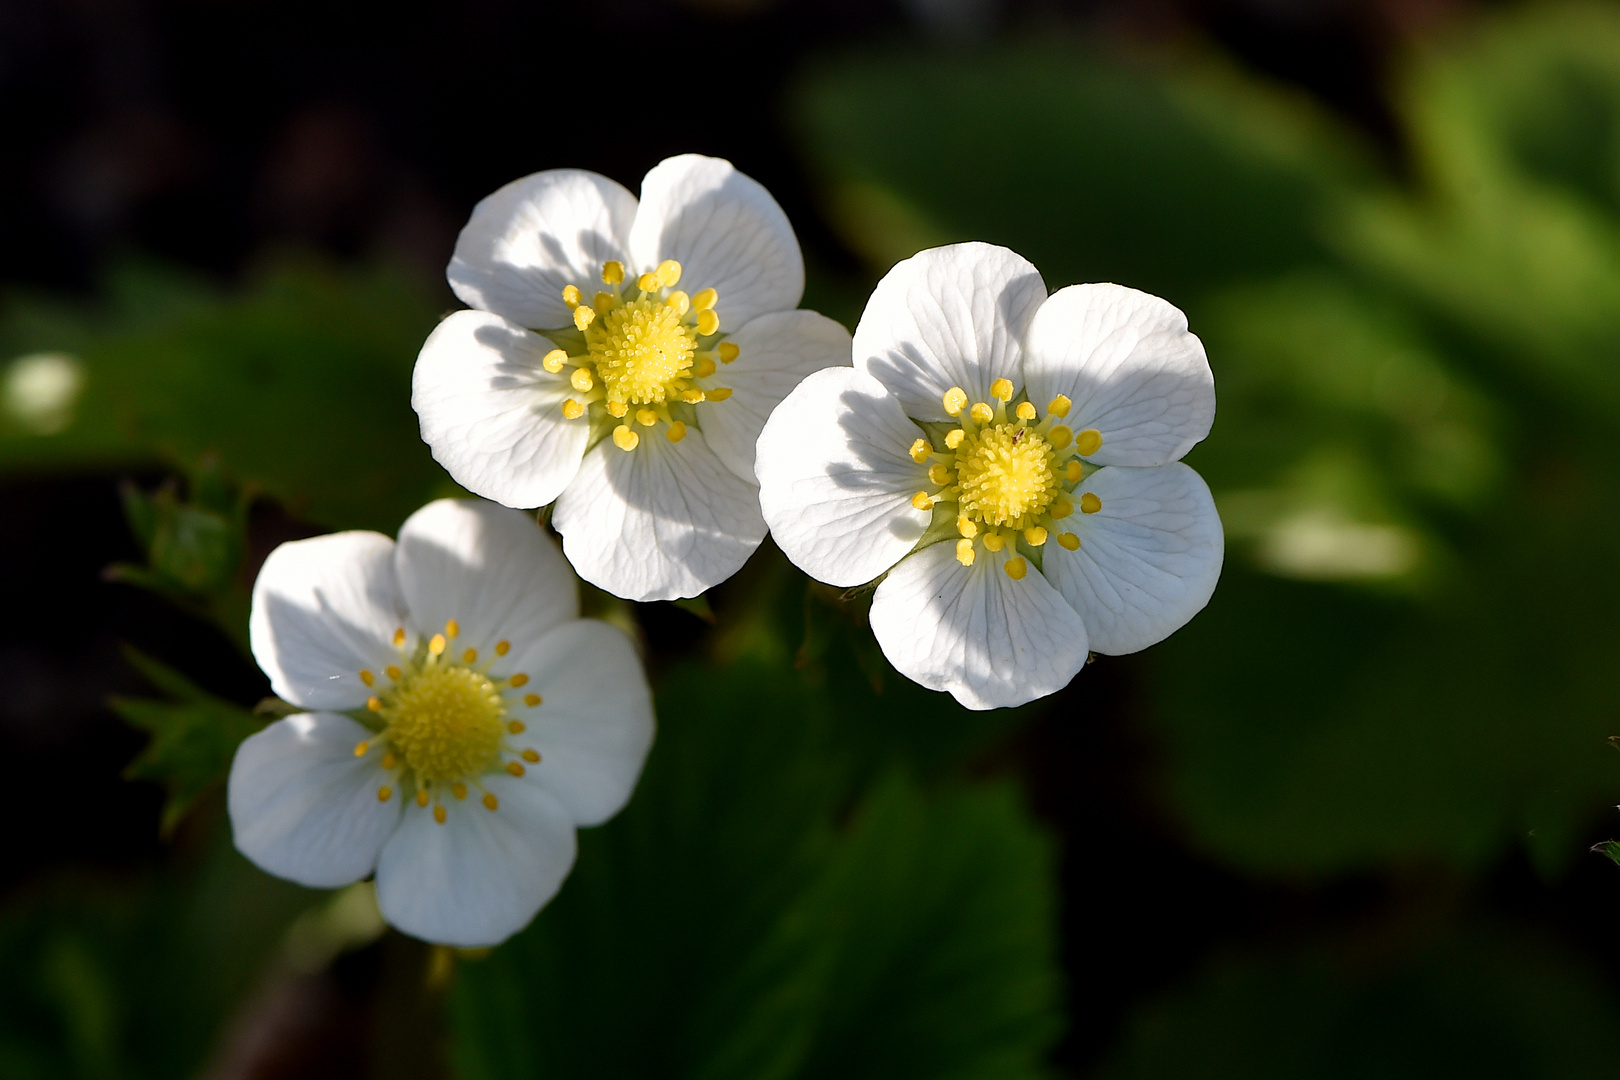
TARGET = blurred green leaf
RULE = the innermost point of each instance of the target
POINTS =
(744, 918)
(193, 737)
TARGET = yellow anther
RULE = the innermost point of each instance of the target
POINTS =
(459, 790)
(624, 438)
(531, 700)
(939, 474)
(1073, 471)
(393, 672)
(519, 679)
(707, 322)
(1059, 406)
(360, 748)
(676, 432)
(669, 272)
(1088, 442)
(1069, 541)
(367, 677)
(1035, 536)
(436, 645)
(1060, 509)
(518, 727)
(1060, 437)
(374, 703)
(399, 637)
(647, 282)
(954, 437)
(581, 380)
(981, 413)
(502, 648)
(452, 628)
(1025, 411)
(422, 796)
(955, 401)
(384, 793)
(703, 367)
(922, 501)
(1089, 503)
(490, 801)
(572, 410)
(572, 296)
(515, 768)
(728, 352)
(646, 417)
(531, 756)
(470, 656)
(390, 760)
(694, 397)
(964, 552)
(705, 300)
(439, 814)
(1002, 390)
(583, 317)
(1016, 567)
(966, 527)
(994, 541)
(603, 303)
(554, 361)
(679, 301)
(719, 393)
(612, 272)
(617, 409)
(919, 451)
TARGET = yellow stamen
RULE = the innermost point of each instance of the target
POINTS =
(1088, 442)
(964, 552)
(646, 417)
(554, 361)
(367, 677)
(490, 801)
(531, 700)
(692, 397)
(647, 282)
(452, 628)
(955, 401)
(612, 272)
(669, 272)
(1089, 503)
(519, 679)
(393, 672)
(1060, 437)
(994, 541)
(954, 437)
(502, 648)
(374, 703)
(1073, 471)
(1035, 536)
(679, 301)
(1002, 390)
(981, 413)
(617, 409)
(707, 322)
(515, 768)
(581, 380)
(1059, 406)
(360, 748)
(624, 438)
(705, 300)
(919, 451)
(384, 792)
(399, 637)
(436, 645)
(704, 367)
(439, 814)
(572, 296)
(1025, 411)
(603, 303)
(921, 501)
(1016, 567)
(939, 474)
(676, 432)
(531, 756)
(1069, 541)
(573, 410)
(965, 526)
(390, 760)
(422, 796)
(728, 352)
(459, 790)
(517, 727)
(583, 317)
(719, 393)
(470, 656)
(1060, 509)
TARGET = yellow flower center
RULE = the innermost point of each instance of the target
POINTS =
(1006, 476)
(649, 348)
(445, 722)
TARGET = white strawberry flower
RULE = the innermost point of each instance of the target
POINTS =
(462, 720)
(583, 375)
(1009, 460)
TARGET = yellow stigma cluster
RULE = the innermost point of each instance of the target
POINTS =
(648, 352)
(445, 722)
(1011, 476)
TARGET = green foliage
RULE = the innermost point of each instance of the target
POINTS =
(752, 914)
(193, 736)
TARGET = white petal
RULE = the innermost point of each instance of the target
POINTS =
(534, 236)
(727, 233)
(324, 609)
(777, 351)
(836, 478)
(304, 807)
(1148, 560)
(948, 316)
(662, 521)
(594, 724)
(1127, 362)
(489, 568)
(972, 630)
(481, 876)
(492, 415)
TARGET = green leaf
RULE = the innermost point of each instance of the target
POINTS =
(743, 917)
(193, 737)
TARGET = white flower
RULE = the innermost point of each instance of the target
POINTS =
(463, 720)
(583, 375)
(980, 415)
